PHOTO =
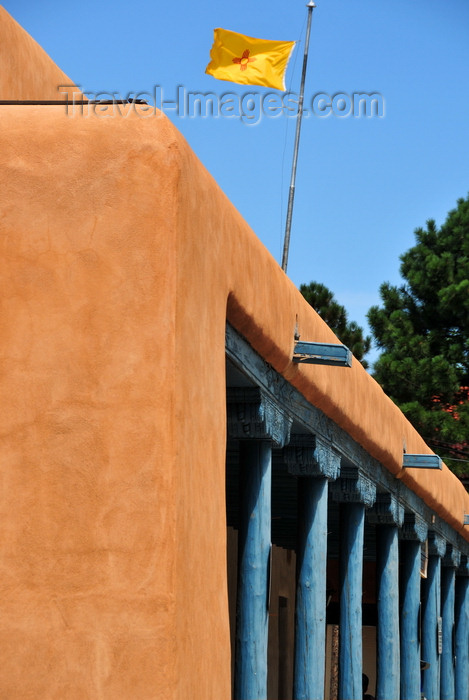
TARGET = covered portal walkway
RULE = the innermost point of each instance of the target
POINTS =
(298, 481)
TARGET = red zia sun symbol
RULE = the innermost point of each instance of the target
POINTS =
(244, 60)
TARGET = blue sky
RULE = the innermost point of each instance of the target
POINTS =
(363, 184)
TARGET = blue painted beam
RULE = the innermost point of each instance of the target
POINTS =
(310, 633)
(431, 607)
(387, 571)
(253, 570)
(462, 637)
(447, 688)
(254, 367)
(410, 595)
(351, 581)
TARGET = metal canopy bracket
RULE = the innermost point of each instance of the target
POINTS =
(422, 461)
(322, 354)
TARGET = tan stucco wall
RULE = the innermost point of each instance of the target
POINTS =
(87, 427)
(120, 259)
(26, 71)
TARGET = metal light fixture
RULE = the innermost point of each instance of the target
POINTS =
(422, 461)
(322, 354)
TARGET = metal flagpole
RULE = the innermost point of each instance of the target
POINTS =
(291, 196)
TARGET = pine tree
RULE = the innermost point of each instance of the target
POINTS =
(423, 331)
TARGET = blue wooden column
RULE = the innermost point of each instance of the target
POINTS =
(414, 533)
(314, 463)
(450, 563)
(431, 611)
(259, 423)
(355, 492)
(388, 515)
(462, 631)
(253, 567)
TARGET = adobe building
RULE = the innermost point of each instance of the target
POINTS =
(188, 513)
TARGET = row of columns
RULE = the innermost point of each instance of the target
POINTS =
(259, 424)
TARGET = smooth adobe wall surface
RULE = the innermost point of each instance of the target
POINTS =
(87, 430)
(26, 71)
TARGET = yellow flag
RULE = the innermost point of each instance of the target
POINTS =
(243, 59)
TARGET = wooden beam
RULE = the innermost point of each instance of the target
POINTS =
(450, 563)
(388, 515)
(310, 632)
(253, 570)
(351, 591)
(462, 631)
(409, 618)
(431, 611)
(314, 421)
